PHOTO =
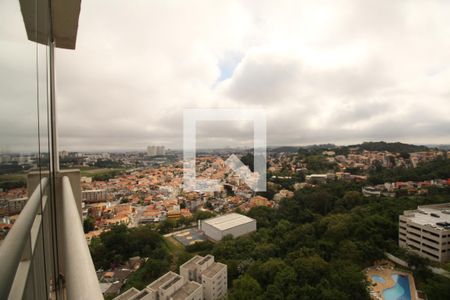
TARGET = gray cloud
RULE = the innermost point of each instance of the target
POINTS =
(324, 71)
(264, 79)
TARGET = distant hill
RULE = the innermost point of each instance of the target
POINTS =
(391, 147)
(440, 146)
(309, 148)
(320, 146)
(396, 147)
(286, 149)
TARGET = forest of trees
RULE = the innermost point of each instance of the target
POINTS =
(391, 147)
(317, 245)
(116, 246)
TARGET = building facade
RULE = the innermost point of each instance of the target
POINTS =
(212, 275)
(170, 286)
(93, 196)
(426, 231)
(230, 224)
(200, 278)
(156, 150)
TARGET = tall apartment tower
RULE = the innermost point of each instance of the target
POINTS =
(151, 150)
(212, 275)
(156, 150)
(426, 231)
(160, 150)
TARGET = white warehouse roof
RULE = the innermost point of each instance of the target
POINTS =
(228, 221)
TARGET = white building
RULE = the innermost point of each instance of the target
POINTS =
(63, 154)
(151, 150)
(129, 294)
(234, 224)
(156, 150)
(91, 196)
(160, 150)
(200, 278)
(212, 275)
(170, 286)
(319, 178)
(426, 231)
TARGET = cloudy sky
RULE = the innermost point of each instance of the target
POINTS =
(324, 71)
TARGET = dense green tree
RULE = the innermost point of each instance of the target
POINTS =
(437, 287)
(350, 200)
(203, 214)
(152, 269)
(264, 216)
(310, 269)
(318, 164)
(120, 243)
(266, 271)
(245, 287)
(286, 280)
(88, 224)
(167, 226)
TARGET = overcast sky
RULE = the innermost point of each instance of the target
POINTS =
(324, 71)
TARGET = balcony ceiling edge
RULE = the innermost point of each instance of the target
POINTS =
(65, 15)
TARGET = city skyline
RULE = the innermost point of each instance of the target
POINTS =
(6, 150)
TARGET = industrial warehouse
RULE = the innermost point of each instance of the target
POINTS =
(235, 224)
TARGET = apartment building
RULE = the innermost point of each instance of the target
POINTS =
(170, 286)
(200, 278)
(426, 231)
(156, 150)
(93, 196)
(212, 275)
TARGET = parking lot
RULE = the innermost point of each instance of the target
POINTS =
(189, 236)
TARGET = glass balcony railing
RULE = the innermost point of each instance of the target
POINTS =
(28, 259)
(23, 253)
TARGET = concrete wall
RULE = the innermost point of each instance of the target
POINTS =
(212, 286)
(211, 231)
(241, 229)
(33, 179)
(430, 242)
(236, 231)
(197, 295)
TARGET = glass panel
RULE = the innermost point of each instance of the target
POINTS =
(24, 120)
(18, 109)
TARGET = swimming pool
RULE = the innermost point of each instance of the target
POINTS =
(400, 291)
(377, 278)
